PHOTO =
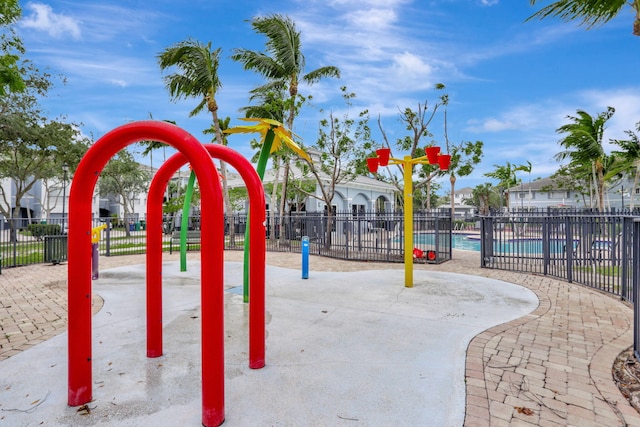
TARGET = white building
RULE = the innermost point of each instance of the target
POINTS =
(360, 195)
(545, 193)
(461, 209)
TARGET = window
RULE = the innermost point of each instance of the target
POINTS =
(558, 194)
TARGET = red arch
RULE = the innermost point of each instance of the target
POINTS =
(212, 344)
(79, 257)
(258, 248)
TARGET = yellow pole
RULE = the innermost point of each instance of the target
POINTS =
(408, 222)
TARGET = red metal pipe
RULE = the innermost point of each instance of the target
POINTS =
(257, 244)
(79, 258)
(212, 378)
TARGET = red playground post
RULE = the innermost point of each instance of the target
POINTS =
(212, 266)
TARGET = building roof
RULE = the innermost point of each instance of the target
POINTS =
(360, 181)
(464, 190)
(548, 184)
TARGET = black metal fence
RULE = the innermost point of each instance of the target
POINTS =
(361, 236)
(600, 250)
(591, 248)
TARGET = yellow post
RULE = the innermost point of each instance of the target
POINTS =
(408, 222)
(407, 163)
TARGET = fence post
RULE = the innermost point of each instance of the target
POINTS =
(568, 231)
(359, 233)
(108, 238)
(345, 229)
(13, 233)
(627, 225)
(437, 237)
(636, 289)
(546, 244)
(486, 242)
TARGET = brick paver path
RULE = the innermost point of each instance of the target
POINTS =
(549, 368)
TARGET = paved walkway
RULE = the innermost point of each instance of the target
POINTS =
(549, 368)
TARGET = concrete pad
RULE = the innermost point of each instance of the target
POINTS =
(342, 349)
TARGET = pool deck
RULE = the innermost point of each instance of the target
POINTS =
(551, 367)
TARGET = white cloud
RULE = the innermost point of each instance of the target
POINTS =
(626, 101)
(363, 3)
(98, 67)
(119, 82)
(521, 117)
(372, 18)
(409, 66)
(44, 19)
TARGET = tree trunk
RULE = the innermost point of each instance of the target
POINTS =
(13, 229)
(452, 179)
(228, 208)
(283, 199)
(635, 184)
(127, 220)
(274, 199)
(329, 230)
(225, 189)
(600, 187)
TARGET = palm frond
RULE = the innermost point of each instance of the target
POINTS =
(591, 13)
(197, 71)
(259, 62)
(320, 73)
(283, 41)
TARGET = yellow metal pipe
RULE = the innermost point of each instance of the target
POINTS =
(407, 164)
(408, 222)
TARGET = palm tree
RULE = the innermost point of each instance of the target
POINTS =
(506, 179)
(151, 146)
(482, 194)
(592, 12)
(282, 64)
(197, 77)
(627, 161)
(523, 168)
(273, 136)
(271, 100)
(583, 146)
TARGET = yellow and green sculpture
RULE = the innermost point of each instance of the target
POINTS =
(274, 134)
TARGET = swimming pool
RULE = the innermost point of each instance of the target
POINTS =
(465, 242)
(471, 242)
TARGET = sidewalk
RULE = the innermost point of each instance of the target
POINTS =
(551, 367)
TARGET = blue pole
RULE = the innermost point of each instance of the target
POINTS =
(305, 257)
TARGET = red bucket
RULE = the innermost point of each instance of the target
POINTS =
(373, 163)
(383, 156)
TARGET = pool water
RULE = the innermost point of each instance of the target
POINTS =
(469, 242)
(464, 242)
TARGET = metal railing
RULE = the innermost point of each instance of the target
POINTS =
(349, 236)
(600, 250)
(590, 248)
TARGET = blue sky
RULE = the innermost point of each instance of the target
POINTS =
(511, 83)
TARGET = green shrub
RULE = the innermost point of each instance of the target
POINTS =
(39, 230)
